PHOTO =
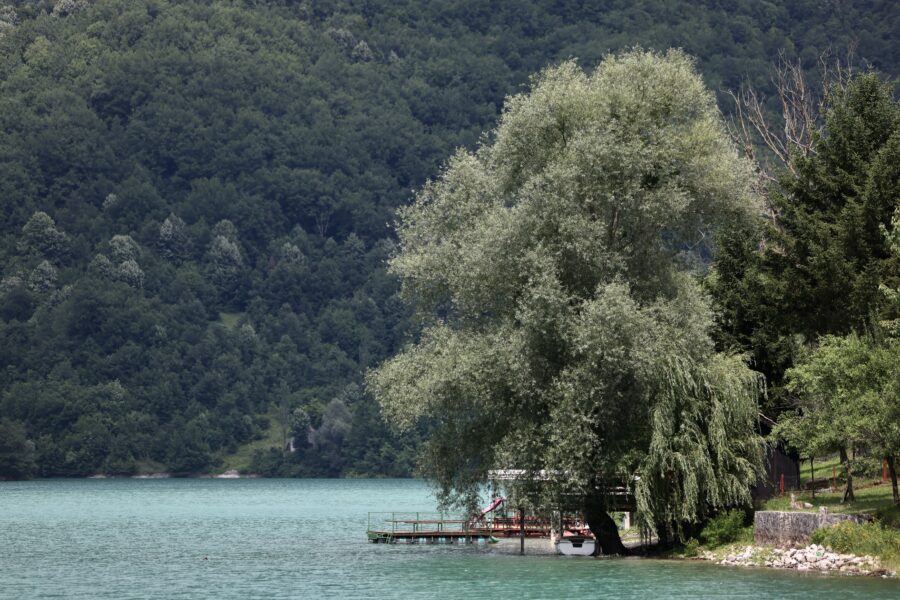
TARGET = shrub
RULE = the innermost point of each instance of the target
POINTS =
(869, 538)
(691, 548)
(889, 516)
(724, 528)
(866, 467)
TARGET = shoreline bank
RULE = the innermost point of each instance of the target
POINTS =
(812, 558)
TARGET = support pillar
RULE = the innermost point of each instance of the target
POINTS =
(521, 531)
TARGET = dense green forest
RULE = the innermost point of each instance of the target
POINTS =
(197, 200)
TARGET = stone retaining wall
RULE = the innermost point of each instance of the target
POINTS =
(779, 528)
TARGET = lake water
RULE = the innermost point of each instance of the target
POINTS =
(306, 539)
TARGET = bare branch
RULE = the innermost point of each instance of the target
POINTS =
(793, 137)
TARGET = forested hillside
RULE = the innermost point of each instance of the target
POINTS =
(197, 200)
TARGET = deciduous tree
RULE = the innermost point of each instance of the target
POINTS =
(16, 451)
(848, 397)
(562, 330)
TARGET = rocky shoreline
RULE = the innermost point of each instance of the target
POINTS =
(812, 558)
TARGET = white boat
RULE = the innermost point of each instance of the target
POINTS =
(576, 546)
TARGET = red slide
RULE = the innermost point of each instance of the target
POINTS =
(493, 505)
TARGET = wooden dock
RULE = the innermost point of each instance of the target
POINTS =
(427, 528)
(439, 528)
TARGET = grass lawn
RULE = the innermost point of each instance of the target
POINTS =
(878, 538)
(824, 468)
(872, 498)
(241, 459)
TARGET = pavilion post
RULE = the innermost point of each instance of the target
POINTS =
(521, 530)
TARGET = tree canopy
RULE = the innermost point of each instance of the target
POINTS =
(194, 199)
(564, 330)
(848, 398)
(812, 293)
(820, 266)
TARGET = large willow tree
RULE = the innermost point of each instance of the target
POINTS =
(563, 328)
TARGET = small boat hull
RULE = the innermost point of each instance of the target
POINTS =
(576, 546)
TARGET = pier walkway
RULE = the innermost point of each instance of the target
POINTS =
(491, 522)
(439, 528)
(426, 528)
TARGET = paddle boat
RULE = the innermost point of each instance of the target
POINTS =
(576, 545)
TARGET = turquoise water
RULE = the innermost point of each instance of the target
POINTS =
(306, 539)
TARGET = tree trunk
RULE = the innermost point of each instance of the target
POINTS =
(604, 528)
(812, 477)
(849, 496)
(893, 471)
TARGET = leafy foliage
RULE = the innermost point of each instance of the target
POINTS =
(849, 386)
(724, 528)
(832, 214)
(16, 452)
(691, 548)
(871, 539)
(827, 276)
(562, 330)
(826, 266)
(253, 153)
